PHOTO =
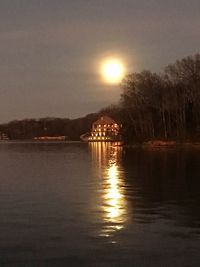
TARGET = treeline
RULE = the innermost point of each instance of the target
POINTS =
(29, 128)
(163, 105)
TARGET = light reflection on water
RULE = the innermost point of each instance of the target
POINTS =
(106, 157)
(79, 204)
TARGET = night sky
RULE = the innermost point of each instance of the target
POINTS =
(50, 50)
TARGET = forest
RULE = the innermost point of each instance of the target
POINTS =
(164, 106)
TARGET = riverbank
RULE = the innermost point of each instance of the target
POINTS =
(162, 144)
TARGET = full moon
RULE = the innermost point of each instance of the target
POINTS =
(112, 70)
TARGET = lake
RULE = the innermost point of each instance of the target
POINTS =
(79, 204)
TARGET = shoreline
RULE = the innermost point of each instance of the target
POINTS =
(151, 144)
(37, 141)
(161, 144)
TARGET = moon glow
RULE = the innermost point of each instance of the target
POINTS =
(112, 71)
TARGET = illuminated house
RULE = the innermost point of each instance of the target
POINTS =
(3, 136)
(104, 129)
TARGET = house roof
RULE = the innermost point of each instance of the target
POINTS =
(104, 120)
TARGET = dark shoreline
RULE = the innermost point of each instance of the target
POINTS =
(152, 144)
(161, 144)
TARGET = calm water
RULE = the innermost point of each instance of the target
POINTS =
(98, 205)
